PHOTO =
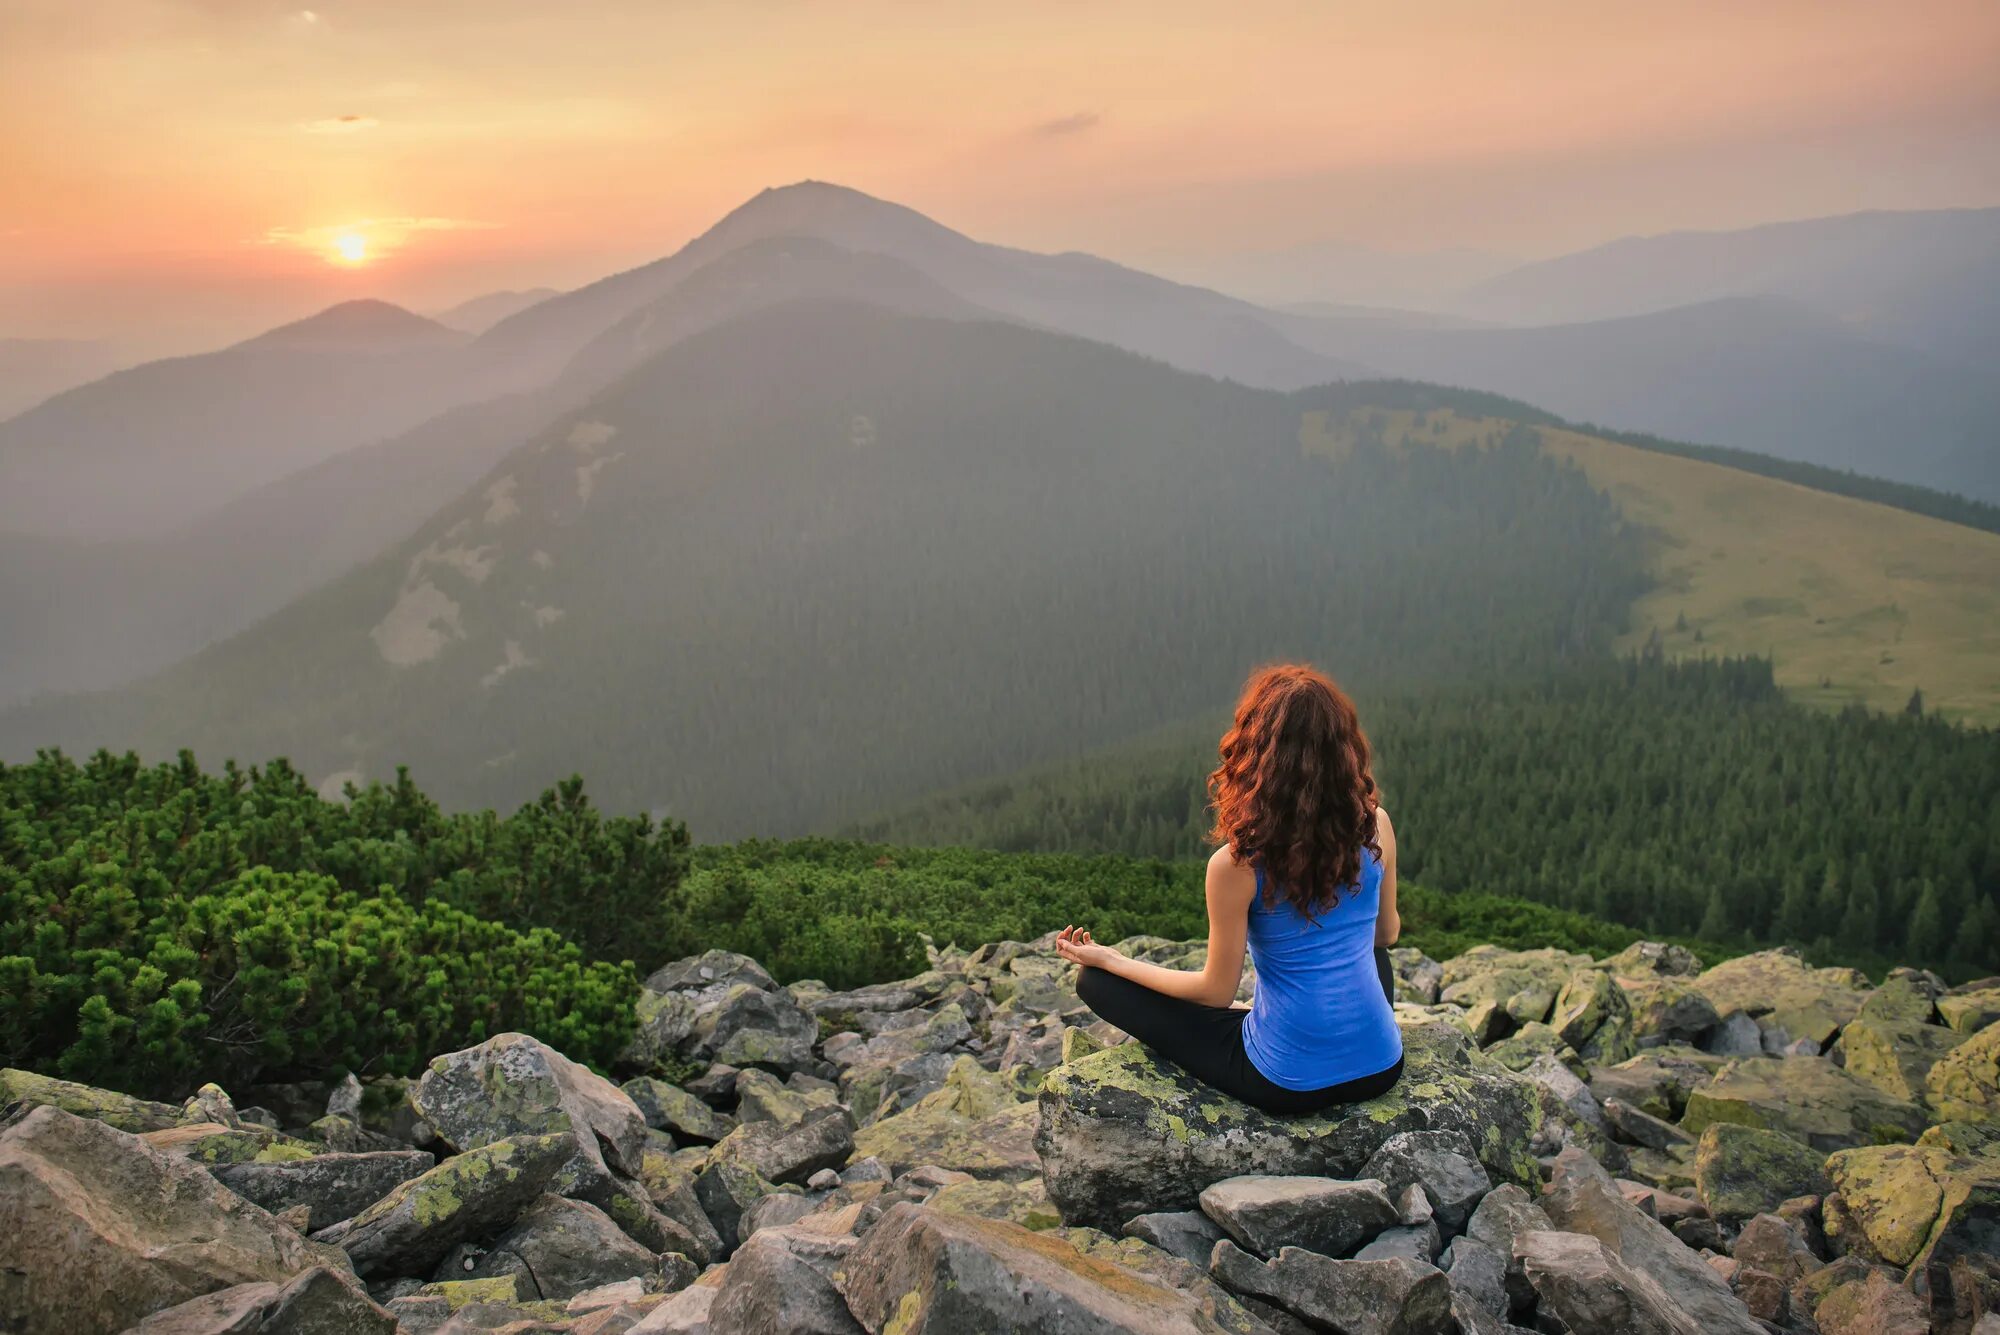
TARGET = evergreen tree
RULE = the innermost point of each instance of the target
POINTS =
(1927, 937)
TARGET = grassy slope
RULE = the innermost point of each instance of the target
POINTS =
(1855, 602)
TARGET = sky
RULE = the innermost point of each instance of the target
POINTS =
(190, 170)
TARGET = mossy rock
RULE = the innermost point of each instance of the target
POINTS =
(1023, 1203)
(1594, 1016)
(1122, 1133)
(1518, 1051)
(1778, 987)
(1896, 1055)
(212, 1143)
(1807, 1098)
(468, 1196)
(1667, 1008)
(458, 1292)
(1970, 1012)
(975, 1124)
(1964, 1085)
(99, 1105)
(1523, 984)
(1741, 1172)
(1901, 1000)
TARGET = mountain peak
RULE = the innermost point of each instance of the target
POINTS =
(364, 322)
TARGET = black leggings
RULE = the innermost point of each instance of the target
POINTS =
(1207, 1042)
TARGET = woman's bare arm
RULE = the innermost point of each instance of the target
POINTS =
(1230, 888)
(1388, 922)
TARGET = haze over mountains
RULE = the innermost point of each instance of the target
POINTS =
(722, 416)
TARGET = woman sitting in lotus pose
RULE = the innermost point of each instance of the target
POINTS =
(1307, 875)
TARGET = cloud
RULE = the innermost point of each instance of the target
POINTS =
(339, 125)
(1077, 122)
(383, 235)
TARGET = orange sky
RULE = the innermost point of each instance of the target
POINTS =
(185, 164)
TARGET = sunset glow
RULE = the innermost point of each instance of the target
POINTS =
(350, 248)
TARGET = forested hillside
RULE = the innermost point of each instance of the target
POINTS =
(917, 552)
(1690, 799)
(161, 925)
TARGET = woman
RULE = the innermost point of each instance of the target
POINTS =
(1307, 874)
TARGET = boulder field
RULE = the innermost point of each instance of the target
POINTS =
(1634, 1144)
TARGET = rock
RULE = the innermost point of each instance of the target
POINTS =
(1657, 1081)
(345, 1099)
(713, 971)
(973, 1123)
(213, 1143)
(1479, 1273)
(1442, 1162)
(1875, 1305)
(1740, 1171)
(1022, 1203)
(519, 1086)
(1933, 1211)
(761, 1097)
(725, 1191)
(1390, 1297)
(1777, 987)
(1736, 1034)
(1582, 1199)
(1642, 1128)
(1419, 978)
(1188, 1234)
(1964, 1085)
(1591, 1288)
(922, 1271)
(781, 1152)
(1654, 959)
(754, 1028)
(320, 1301)
(1502, 1219)
(1519, 1049)
(1905, 997)
(1121, 1134)
(1807, 1098)
(340, 1136)
(1211, 1300)
(332, 1187)
(1522, 983)
(101, 1230)
(670, 1108)
(1317, 1214)
(1418, 1242)
(559, 1248)
(773, 1285)
(716, 1086)
(686, 1313)
(1971, 1011)
(1777, 1246)
(468, 1196)
(1580, 1119)
(28, 1090)
(777, 1209)
(1895, 1056)
(1594, 1018)
(1668, 1010)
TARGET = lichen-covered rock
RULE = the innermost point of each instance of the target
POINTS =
(1790, 1000)
(1188, 1234)
(1658, 1080)
(974, 1123)
(122, 1111)
(1581, 1198)
(1807, 1098)
(1593, 1016)
(1419, 978)
(780, 1280)
(1518, 1051)
(1651, 959)
(1931, 1210)
(1668, 1010)
(320, 1301)
(1896, 1055)
(559, 1248)
(215, 1143)
(781, 1152)
(725, 1191)
(762, 1097)
(1741, 1171)
(1398, 1296)
(1589, 1287)
(1171, 1271)
(1872, 1305)
(468, 1196)
(98, 1230)
(513, 1085)
(1023, 1203)
(1905, 997)
(922, 1271)
(1122, 1134)
(1964, 1085)
(671, 1189)
(672, 1109)
(1502, 1219)
(1523, 984)
(1968, 1012)
(332, 1187)
(1319, 1214)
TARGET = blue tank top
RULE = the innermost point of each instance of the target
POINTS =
(1319, 1017)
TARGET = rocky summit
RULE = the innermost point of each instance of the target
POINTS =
(1577, 1146)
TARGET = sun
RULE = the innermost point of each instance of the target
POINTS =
(350, 247)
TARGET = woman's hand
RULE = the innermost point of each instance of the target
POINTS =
(1074, 944)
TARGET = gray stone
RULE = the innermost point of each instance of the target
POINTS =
(1502, 1219)
(320, 1301)
(725, 1191)
(1443, 1163)
(670, 1108)
(1734, 1035)
(1317, 1214)
(1581, 1198)
(1188, 1234)
(784, 1153)
(773, 1284)
(561, 1247)
(1591, 1288)
(1479, 1273)
(101, 1230)
(1392, 1297)
(1419, 1242)
(1642, 1128)
(685, 1313)
(332, 1186)
(775, 1210)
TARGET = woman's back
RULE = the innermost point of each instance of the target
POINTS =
(1319, 1016)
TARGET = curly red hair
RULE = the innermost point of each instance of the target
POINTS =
(1293, 795)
